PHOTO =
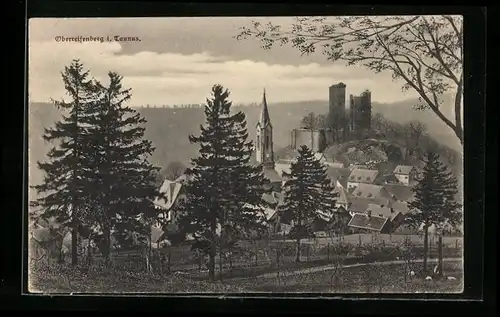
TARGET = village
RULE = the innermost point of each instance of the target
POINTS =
(370, 200)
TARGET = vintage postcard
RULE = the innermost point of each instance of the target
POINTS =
(246, 155)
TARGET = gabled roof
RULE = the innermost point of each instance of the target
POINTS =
(363, 176)
(343, 195)
(391, 179)
(382, 211)
(400, 192)
(170, 191)
(368, 191)
(402, 207)
(363, 221)
(403, 169)
(359, 205)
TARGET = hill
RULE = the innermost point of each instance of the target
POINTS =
(168, 128)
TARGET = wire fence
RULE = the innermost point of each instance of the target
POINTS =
(254, 257)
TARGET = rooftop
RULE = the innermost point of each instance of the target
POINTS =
(403, 169)
(363, 176)
(363, 221)
(368, 191)
(359, 205)
(400, 192)
(382, 211)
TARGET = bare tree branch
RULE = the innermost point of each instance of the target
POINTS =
(426, 53)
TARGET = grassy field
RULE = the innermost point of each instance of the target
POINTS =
(255, 268)
(390, 278)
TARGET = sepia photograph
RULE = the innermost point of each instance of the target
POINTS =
(298, 154)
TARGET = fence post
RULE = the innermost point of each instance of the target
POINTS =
(359, 238)
(456, 244)
(307, 252)
(328, 252)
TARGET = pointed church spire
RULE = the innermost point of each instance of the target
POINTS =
(264, 114)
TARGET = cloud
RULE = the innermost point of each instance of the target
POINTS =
(172, 78)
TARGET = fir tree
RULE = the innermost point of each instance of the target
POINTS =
(64, 188)
(224, 188)
(307, 191)
(124, 181)
(435, 200)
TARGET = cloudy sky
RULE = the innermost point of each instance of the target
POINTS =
(178, 60)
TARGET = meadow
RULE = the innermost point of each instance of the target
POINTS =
(263, 266)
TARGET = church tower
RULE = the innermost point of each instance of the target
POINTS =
(264, 142)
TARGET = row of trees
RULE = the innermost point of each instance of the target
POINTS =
(97, 177)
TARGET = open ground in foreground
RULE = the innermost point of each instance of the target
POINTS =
(372, 278)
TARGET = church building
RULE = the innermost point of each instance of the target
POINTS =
(264, 143)
(264, 150)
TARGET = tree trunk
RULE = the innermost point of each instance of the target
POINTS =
(148, 255)
(440, 255)
(169, 258)
(220, 264)
(89, 251)
(297, 254)
(230, 260)
(107, 246)
(74, 242)
(211, 263)
(426, 247)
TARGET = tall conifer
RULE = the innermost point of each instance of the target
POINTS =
(124, 182)
(224, 189)
(63, 192)
(307, 191)
(435, 202)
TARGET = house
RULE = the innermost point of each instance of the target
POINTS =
(394, 217)
(172, 194)
(406, 174)
(340, 220)
(371, 191)
(362, 176)
(400, 192)
(273, 179)
(343, 197)
(359, 205)
(365, 222)
(391, 179)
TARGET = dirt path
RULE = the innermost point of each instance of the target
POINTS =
(331, 267)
